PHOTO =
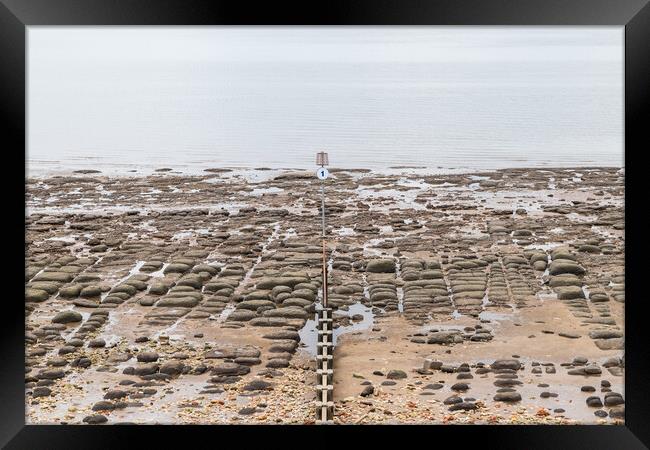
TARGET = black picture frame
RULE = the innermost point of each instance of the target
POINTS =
(634, 15)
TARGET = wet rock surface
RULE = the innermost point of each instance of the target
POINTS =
(191, 299)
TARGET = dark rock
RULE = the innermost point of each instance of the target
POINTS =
(507, 397)
(97, 343)
(115, 393)
(506, 382)
(147, 357)
(569, 335)
(145, 369)
(512, 364)
(381, 266)
(452, 400)
(248, 361)
(227, 368)
(68, 316)
(103, 406)
(258, 385)
(613, 399)
(277, 363)
(172, 368)
(445, 337)
(95, 419)
(547, 394)
(396, 375)
(594, 402)
(50, 374)
(41, 391)
(464, 406)
(605, 334)
(617, 412)
(283, 334)
(368, 390)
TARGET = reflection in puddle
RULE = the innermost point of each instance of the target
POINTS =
(489, 315)
(309, 333)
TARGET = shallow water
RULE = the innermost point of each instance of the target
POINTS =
(309, 333)
(374, 97)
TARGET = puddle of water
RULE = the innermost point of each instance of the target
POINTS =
(182, 235)
(134, 270)
(546, 247)
(258, 192)
(226, 312)
(168, 331)
(112, 209)
(250, 175)
(489, 315)
(399, 289)
(605, 233)
(69, 238)
(146, 226)
(366, 323)
(575, 217)
(309, 333)
(401, 199)
(159, 273)
(345, 231)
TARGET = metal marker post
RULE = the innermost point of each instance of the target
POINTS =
(322, 160)
(325, 345)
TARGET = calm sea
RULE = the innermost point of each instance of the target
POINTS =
(135, 98)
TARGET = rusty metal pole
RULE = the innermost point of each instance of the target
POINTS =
(322, 160)
(322, 190)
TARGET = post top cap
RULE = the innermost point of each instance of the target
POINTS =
(322, 159)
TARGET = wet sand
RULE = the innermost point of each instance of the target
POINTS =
(178, 298)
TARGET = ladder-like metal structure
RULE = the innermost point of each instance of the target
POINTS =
(325, 371)
(325, 343)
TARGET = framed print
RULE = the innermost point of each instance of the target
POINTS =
(368, 213)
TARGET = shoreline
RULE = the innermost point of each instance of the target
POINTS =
(39, 174)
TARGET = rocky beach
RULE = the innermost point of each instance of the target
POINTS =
(493, 297)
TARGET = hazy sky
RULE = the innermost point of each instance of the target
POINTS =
(323, 44)
(155, 91)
